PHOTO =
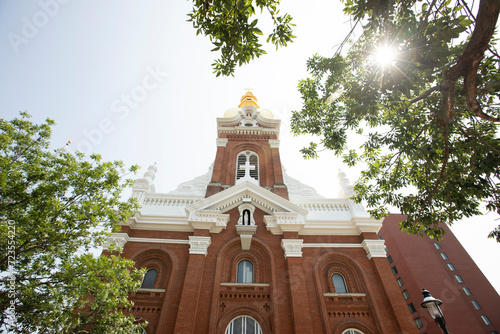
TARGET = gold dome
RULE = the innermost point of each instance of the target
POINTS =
(248, 100)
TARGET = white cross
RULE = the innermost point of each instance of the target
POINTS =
(247, 167)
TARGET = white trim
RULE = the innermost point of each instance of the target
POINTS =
(332, 245)
(124, 238)
(159, 241)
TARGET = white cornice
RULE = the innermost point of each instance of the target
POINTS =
(120, 239)
(258, 196)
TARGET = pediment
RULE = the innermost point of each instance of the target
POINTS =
(246, 192)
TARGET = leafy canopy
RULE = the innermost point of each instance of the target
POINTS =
(227, 23)
(429, 117)
(55, 207)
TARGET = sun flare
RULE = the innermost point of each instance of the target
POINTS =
(384, 56)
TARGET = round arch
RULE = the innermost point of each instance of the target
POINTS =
(228, 257)
(355, 327)
(245, 311)
(243, 324)
(163, 261)
(264, 155)
(352, 331)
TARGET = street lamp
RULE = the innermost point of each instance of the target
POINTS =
(432, 304)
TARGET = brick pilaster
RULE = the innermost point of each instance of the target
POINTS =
(300, 305)
(188, 306)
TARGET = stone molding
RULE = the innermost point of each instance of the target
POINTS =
(118, 239)
(332, 245)
(199, 245)
(374, 248)
(222, 142)
(212, 220)
(292, 247)
(246, 232)
(274, 143)
(280, 222)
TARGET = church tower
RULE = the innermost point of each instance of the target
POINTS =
(247, 249)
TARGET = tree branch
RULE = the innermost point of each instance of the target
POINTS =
(468, 63)
(425, 94)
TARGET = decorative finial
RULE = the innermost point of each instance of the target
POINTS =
(248, 99)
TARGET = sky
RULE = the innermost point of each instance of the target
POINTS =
(130, 80)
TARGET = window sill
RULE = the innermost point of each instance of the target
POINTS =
(346, 295)
(246, 284)
(142, 290)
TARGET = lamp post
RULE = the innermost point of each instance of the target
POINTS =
(432, 304)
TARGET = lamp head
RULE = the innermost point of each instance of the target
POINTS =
(432, 304)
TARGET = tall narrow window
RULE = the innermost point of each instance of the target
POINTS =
(339, 283)
(438, 246)
(411, 307)
(476, 305)
(406, 295)
(486, 320)
(400, 281)
(467, 291)
(394, 270)
(451, 266)
(243, 325)
(247, 166)
(149, 279)
(245, 272)
(389, 259)
(444, 256)
(459, 279)
(419, 323)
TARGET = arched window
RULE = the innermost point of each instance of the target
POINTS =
(352, 331)
(243, 325)
(149, 279)
(339, 284)
(244, 273)
(247, 166)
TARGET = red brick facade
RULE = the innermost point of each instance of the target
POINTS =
(292, 291)
(422, 263)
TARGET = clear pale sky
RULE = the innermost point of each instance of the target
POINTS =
(131, 81)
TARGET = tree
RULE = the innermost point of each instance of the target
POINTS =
(228, 25)
(55, 208)
(432, 149)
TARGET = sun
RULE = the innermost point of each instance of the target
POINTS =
(384, 56)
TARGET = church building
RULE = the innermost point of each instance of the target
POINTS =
(247, 249)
